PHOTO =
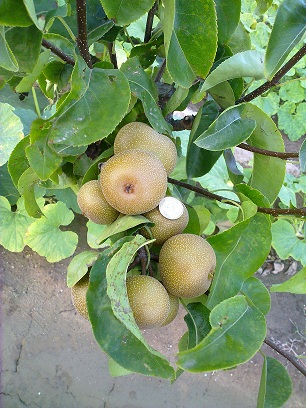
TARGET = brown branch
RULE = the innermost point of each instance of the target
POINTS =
(292, 360)
(150, 18)
(82, 32)
(112, 55)
(274, 81)
(280, 155)
(271, 211)
(134, 263)
(57, 52)
(143, 260)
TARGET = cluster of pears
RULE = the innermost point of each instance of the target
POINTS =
(134, 181)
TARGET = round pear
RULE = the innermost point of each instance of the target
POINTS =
(134, 181)
(164, 228)
(174, 307)
(78, 296)
(186, 265)
(149, 301)
(138, 135)
(93, 204)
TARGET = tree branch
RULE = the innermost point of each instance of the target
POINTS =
(280, 155)
(150, 18)
(271, 211)
(292, 360)
(160, 71)
(112, 56)
(82, 32)
(274, 81)
(57, 52)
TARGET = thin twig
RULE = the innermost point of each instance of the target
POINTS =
(160, 72)
(112, 55)
(274, 81)
(82, 32)
(57, 52)
(150, 18)
(134, 263)
(271, 211)
(143, 260)
(280, 155)
(286, 355)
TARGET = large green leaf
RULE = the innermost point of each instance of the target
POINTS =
(14, 13)
(291, 245)
(288, 29)
(240, 251)
(255, 290)
(7, 58)
(296, 284)
(243, 64)
(13, 225)
(268, 172)
(18, 162)
(96, 113)
(198, 160)
(43, 160)
(125, 12)
(228, 16)
(232, 127)
(112, 335)
(78, 266)
(11, 131)
(275, 384)
(145, 89)
(45, 237)
(190, 47)
(238, 330)
(26, 186)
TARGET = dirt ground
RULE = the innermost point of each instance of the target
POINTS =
(50, 358)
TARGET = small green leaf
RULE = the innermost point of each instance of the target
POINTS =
(288, 29)
(112, 336)
(13, 225)
(193, 226)
(93, 171)
(125, 12)
(11, 131)
(228, 16)
(7, 58)
(228, 130)
(275, 384)
(26, 186)
(302, 156)
(145, 89)
(190, 48)
(292, 245)
(14, 13)
(29, 4)
(45, 237)
(263, 6)
(256, 291)
(223, 94)
(116, 370)
(292, 119)
(198, 324)
(256, 196)
(78, 266)
(238, 330)
(240, 251)
(240, 40)
(7, 187)
(18, 162)
(122, 224)
(296, 284)
(243, 64)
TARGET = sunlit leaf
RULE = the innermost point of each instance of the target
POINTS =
(7, 58)
(11, 131)
(78, 266)
(125, 12)
(296, 284)
(255, 290)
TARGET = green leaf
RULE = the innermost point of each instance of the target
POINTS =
(223, 94)
(29, 4)
(193, 226)
(292, 119)
(14, 13)
(293, 92)
(263, 6)
(78, 266)
(228, 130)
(288, 29)
(11, 131)
(302, 156)
(45, 237)
(268, 172)
(145, 89)
(26, 186)
(228, 16)
(243, 64)
(41, 157)
(275, 384)
(116, 370)
(240, 251)
(27, 82)
(256, 291)
(13, 225)
(112, 335)
(292, 245)
(198, 324)
(96, 113)
(93, 172)
(7, 187)
(180, 94)
(240, 40)
(190, 47)
(7, 58)
(238, 330)
(199, 161)
(296, 284)
(256, 196)
(98, 32)
(121, 224)
(18, 162)
(125, 12)
(21, 39)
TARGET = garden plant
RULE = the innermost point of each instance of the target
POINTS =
(90, 94)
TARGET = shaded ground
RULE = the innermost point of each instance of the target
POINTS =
(51, 360)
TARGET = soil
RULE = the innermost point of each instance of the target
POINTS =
(50, 358)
